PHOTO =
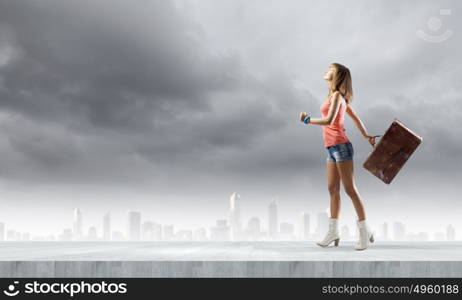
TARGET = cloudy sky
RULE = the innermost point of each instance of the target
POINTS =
(168, 107)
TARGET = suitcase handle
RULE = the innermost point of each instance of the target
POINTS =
(375, 137)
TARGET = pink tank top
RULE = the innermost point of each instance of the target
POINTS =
(335, 133)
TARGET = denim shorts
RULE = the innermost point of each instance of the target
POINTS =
(340, 152)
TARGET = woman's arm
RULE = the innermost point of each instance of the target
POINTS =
(360, 125)
(357, 121)
(333, 110)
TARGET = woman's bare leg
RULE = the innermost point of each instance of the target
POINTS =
(333, 185)
(345, 169)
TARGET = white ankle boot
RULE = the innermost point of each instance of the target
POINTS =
(365, 235)
(332, 234)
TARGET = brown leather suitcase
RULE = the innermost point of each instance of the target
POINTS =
(392, 151)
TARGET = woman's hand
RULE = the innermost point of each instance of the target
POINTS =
(303, 115)
(371, 139)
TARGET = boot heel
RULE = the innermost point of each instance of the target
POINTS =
(336, 242)
(372, 238)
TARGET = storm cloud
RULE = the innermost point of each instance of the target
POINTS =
(202, 98)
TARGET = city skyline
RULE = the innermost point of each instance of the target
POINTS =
(225, 229)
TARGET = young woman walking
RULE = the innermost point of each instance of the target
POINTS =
(340, 152)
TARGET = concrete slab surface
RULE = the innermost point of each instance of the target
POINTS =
(229, 259)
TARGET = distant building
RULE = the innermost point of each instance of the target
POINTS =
(107, 226)
(92, 234)
(419, 237)
(220, 232)
(254, 228)
(200, 234)
(13, 235)
(450, 233)
(423, 236)
(235, 217)
(322, 225)
(439, 236)
(50, 237)
(399, 231)
(2, 231)
(134, 225)
(147, 231)
(184, 235)
(117, 236)
(66, 235)
(25, 236)
(157, 232)
(77, 225)
(169, 232)
(304, 232)
(273, 219)
(10, 235)
(384, 231)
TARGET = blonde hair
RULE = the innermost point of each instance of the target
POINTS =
(341, 82)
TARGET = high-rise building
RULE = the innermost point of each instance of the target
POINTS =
(450, 233)
(77, 225)
(273, 219)
(235, 216)
(304, 232)
(134, 225)
(399, 231)
(107, 226)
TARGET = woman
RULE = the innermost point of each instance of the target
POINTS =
(340, 152)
